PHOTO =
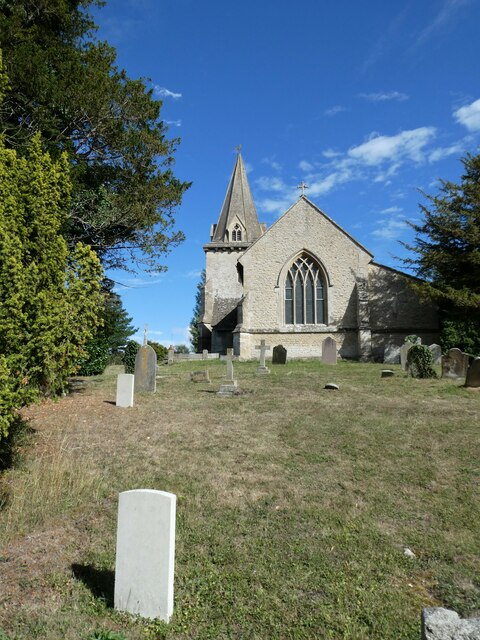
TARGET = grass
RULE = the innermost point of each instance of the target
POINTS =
(295, 505)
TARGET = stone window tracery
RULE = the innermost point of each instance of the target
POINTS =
(304, 292)
(237, 233)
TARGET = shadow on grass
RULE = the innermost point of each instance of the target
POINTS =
(10, 447)
(101, 582)
(110, 402)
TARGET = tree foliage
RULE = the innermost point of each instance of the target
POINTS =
(65, 84)
(129, 356)
(197, 314)
(447, 252)
(49, 297)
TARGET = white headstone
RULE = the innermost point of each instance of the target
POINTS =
(144, 566)
(262, 367)
(205, 354)
(436, 350)
(125, 383)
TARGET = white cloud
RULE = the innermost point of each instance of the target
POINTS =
(390, 229)
(163, 92)
(278, 206)
(408, 144)
(331, 153)
(248, 167)
(272, 163)
(442, 19)
(384, 96)
(332, 111)
(174, 123)
(303, 165)
(443, 152)
(393, 209)
(270, 184)
(196, 273)
(469, 116)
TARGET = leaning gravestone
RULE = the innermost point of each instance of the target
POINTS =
(200, 376)
(279, 355)
(454, 364)
(404, 349)
(473, 374)
(145, 553)
(391, 354)
(145, 369)
(329, 351)
(436, 350)
(125, 384)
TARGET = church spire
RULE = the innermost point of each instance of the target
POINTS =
(238, 219)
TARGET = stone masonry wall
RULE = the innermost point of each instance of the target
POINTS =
(222, 286)
(302, 228)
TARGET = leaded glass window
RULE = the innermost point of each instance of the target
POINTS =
(237, 233)
(304, 293)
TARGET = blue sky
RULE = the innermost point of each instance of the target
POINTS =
(368, 102)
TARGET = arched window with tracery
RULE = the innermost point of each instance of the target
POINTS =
(237, 233)
(304, 293)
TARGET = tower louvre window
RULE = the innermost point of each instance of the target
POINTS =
(304, 293)
(237, 233)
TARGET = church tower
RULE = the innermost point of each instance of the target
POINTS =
(236, 230)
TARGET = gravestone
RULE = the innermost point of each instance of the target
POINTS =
(473, 374)
(205, 354)
(125, 383)
(145, 369)
(454, 364)
(171, 355)
(329, 351)
(436, 351)
(404, 349)
(229, 375)
(332, 386)
(262, 368)
(200, 376)
(145, 556)
(391, 354)
(279, 355)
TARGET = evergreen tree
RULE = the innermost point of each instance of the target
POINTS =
(447, 256)
(197, 314)
(65, 84)
(117, 325)
(49, 298)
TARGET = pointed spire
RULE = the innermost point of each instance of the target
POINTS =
(238, 208)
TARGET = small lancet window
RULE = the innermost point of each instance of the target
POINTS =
(304, 293)
(237, 233)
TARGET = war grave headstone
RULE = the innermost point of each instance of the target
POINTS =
(329, 351)
(279, 354)
(145, 556)
(473, 374)
(229, 386)
(454, 364)
(171, 355)
(436, 351)
(262, 368)
(391, 354)
(200, 376)
(145, 368)
(125, 385)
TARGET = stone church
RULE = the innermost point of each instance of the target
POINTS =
(298, 282)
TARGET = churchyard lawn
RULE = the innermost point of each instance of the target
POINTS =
(295, 504)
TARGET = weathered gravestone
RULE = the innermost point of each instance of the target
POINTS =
(262, 368)
(200, 376)
(170, 355)
(454, 364)
(329, 351)
(436, 351)
(205, 354)
(387, 373)
(473, 374)
(391, 354)
(145, 557)
(279, 355)
(125, 383)
(439, 623)
(145, 369)
(404, 349)
(229, 386)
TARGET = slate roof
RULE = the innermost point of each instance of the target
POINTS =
(239, 204)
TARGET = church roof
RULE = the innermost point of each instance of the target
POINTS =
(238, 204)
